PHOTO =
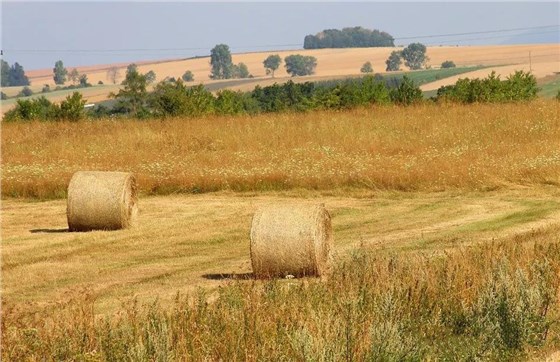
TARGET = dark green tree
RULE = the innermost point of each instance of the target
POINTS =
(414, 56)
(448, 64)
(394, 61)
(83, 81)
(272, 63)
(188, 76)
(25, 92)
(17, 76)
(366, 68)
(133, 95)
(59, 72)
(5, 75)
(299, 65)
(150, 77)
(240, 71)
(72, 108)
(406, 93)
(220, 59)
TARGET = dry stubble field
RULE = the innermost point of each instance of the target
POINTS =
(423, 180)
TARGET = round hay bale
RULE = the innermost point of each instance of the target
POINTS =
(291, 240)
(101, 201)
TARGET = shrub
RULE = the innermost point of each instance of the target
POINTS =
(448, 64)
(32, 109)
(299, 65)
(517, 87)
(366, 68)
(46, 89)
(72, 108)
(188, 76)
(406, 93)
(229, 102)
(100, 82)
(25, 92)
(3, 96)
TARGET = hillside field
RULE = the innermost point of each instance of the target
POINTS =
(542, 59)
(446, 223)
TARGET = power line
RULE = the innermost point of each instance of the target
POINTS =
(135, 50)
(476, 32)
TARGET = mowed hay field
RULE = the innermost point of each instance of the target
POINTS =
(444, 217)
(331, 63)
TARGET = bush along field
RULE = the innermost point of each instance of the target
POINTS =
(175, 99)
(497, 301)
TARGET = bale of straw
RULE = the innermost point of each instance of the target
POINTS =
(101, 201)
(291, 240)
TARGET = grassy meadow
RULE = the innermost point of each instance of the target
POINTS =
(421, 148)
(445, 217)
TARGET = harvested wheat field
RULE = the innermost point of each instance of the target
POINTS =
(331, 63)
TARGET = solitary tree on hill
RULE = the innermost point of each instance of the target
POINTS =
(394, 61)
(366, 68)
(59, 72)
(298, 65)
(113, 74)
(272, 63)
(220, 59)
(414, 56)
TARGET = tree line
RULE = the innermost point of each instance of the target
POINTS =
(176, 99)
(355, 37)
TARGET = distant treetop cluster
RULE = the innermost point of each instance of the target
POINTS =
(356, 37)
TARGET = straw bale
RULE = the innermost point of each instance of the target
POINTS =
(291, 239)
(101, 201)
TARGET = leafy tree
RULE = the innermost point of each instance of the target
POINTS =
(74, 76)
(394, 61)
(25, 92)
(72, 108)
(188, 76)
(133, 95)
(59, 72)
(150, 77)
(272, 63)
(240, 71)
(83, 80)
(299, 65)
(414, 56)
(132, 67)
(448, 64)
(17, 76)
(220, 59)
(5, 75)
(366, 68)
(113, 74)
(3, 96)
(356, 37)
(406, 93)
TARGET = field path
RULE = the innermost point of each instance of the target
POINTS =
(183, 242)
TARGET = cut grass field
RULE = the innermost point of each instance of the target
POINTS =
(446, 224)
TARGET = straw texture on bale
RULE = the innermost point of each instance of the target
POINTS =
(101, 201)
(291, 240)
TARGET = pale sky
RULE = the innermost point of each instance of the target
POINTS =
(36, 34)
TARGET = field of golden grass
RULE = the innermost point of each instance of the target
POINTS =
(413, 193)
(421, 148)
(333, 63)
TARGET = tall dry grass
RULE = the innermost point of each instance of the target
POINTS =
(496, 301)
(428, 147)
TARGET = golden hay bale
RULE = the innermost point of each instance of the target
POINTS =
(101, 201)
(291, 240)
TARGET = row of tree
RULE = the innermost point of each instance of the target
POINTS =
(175, 99)
(356, 37)
(12, 76)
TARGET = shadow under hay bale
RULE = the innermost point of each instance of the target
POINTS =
(101, 201)
(291, 240)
